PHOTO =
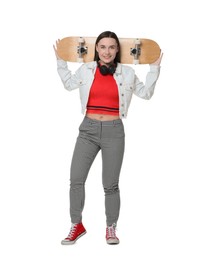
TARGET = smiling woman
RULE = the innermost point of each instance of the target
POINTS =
(107, 49)
(106, 87)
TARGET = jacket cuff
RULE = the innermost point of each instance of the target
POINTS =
(62, 63)
(154, 68)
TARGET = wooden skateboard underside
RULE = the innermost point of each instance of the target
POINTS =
(133, 50)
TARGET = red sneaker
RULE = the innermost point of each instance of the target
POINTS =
(77, 230)
(111, 238)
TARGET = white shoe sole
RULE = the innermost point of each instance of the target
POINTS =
(112, 241)
(68, 242)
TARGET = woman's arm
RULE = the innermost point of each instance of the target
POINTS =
(69, 80)
(146, 90)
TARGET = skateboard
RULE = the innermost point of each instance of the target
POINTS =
(133, 50)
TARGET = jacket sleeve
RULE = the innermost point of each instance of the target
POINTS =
(69, 80)
(146, 90)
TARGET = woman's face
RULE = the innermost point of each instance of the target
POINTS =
(107, 49)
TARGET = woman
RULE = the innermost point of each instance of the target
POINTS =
(106, 87)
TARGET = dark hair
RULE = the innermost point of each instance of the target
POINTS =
(108, 34)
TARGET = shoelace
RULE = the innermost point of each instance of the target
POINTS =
(111, 231)
(72, 230)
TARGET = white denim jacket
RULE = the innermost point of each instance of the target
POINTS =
(125, 77)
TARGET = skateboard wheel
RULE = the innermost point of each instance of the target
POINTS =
(80, 60)
(136, 62)
(81, 40)
(134, 51)
(82, 50)
(137, 41)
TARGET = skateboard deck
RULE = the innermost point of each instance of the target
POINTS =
(133, 50)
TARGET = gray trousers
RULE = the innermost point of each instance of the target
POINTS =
(94, 135)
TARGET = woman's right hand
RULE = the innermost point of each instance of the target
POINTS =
(55, 49)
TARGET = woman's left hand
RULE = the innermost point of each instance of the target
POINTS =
(158, 61)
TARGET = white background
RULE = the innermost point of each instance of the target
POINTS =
(39, 123)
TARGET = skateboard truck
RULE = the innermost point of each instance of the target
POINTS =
(136, 51)
(81, 49)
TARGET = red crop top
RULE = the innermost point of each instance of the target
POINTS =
(103, 97)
